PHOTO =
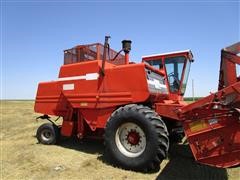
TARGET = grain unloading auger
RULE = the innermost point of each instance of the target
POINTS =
(138, 109)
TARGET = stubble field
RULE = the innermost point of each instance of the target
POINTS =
(23, 158)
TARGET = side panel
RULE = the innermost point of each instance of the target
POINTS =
(215, 141)
(81, 86)
(96, 118)
(50, 99)
(156, 82)
(169, 109)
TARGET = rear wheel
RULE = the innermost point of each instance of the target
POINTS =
(47, 133)
(136, 138)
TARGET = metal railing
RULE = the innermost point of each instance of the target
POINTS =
(91, 52)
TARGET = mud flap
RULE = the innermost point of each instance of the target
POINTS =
(216, 141)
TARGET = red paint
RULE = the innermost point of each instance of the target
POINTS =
(133, 138)
(67, 128)
(211, 124)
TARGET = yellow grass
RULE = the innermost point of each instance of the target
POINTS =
(23, 158)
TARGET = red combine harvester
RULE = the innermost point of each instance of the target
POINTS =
(138, 108)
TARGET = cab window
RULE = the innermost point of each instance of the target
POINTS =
(174, 68)
(156, 63)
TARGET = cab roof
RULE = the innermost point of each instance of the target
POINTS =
(188, 51)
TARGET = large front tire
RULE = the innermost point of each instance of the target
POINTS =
(136, 138)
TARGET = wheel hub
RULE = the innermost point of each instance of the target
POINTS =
(130, 139)
(46, 135)
(133, 138)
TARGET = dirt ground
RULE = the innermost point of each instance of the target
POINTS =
(23, 158)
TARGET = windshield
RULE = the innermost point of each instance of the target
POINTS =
(238, 70)
(174, 68)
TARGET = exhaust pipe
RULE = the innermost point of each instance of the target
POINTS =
(106, 46)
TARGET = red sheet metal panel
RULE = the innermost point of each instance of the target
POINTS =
(215, 141)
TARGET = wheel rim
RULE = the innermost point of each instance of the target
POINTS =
(130, 139)
(46, 135)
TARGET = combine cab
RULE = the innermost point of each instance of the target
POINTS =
(138, 109)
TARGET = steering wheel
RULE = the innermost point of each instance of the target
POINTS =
(176, 82)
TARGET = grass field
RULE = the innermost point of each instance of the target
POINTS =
(23, 158)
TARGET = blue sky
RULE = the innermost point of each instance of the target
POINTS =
(34, 35)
